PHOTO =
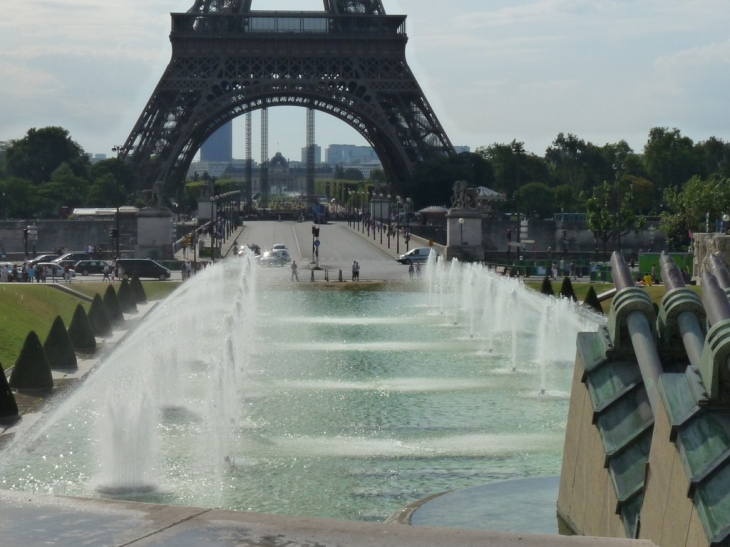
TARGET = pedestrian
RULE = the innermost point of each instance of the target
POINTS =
(294, 272)
(411, 270)
(105, 271)
(354, 270)
(554, 270)
(53, 273)
(418, 270)
(357, 271)
(31, 274)
(67, 274)
(562, 267)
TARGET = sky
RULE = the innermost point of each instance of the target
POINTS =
(493, 70)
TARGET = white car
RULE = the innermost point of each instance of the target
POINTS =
(419, 254)
(274, 258)
(279, 247)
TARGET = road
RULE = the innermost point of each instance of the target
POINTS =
(339, 247)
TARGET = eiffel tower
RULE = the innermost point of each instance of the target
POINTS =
(227, 60)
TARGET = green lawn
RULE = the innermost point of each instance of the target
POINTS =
(25, 307)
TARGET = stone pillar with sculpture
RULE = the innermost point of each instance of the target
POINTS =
(706, 245)
(464, 225)
(154, 227)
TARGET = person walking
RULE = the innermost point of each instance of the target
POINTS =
(418, 270)
(105, 271)
(411, 270)
(294, 271)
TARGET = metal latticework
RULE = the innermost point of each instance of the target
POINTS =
(348, 61)
(310, 153)
(249, 164)
(264, 157)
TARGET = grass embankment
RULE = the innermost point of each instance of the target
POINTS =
(655, 292)
(25, 307)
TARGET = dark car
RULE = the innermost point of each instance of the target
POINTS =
(86, 267)
(143, 267)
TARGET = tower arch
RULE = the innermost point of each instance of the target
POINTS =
(347, 61)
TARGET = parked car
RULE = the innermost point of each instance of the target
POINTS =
(75, 257)
(143, 267)
(279, 247)
(274, 258)
(59, 269)
(419, 254)
(42, 258)
(86, 267)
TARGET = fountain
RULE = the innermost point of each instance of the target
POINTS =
(241, 395)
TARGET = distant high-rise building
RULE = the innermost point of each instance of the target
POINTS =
(347, 154)
(219, 146)
(317, 154)
(462, 149)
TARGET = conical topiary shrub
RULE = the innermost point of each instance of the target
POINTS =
(98, 319)
(592, 302)
(8, 406)
(58, 346)
(566, 289)
(32, 370)
(137, 288)
(547, 287)
(126, 298)
(111, 305)
(80, 331)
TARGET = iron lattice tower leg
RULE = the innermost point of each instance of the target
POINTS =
(265, 157)
(310, 153)
(348, 61)
(249, 165)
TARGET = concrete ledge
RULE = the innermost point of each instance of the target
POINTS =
(31, 519)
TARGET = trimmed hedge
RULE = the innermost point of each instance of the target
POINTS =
(58, 346)
(80, 331)
(547, 287)
(8, 406)
(126, 298)
(111, 305)
(566, 289)
(137, 288)
(98, 319)
(32, 370)
(592, 301)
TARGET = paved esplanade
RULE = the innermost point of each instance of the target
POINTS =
(339, 246)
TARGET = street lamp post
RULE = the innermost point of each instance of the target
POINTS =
(461, 237)
(408, 231)
(617, 200)
(397, 224)
(388, 233)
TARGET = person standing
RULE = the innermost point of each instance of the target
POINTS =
(294, 272)
(418, 270)
(105, 271)
(411, 271)
(357, 271)
(354, 270)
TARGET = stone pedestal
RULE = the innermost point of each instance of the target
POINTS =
(464, 240)
(205, 210)
(154, 227)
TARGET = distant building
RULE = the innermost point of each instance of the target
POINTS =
(219, 146)
(317, 154)
(95, 158)
(349, 154)
(462, 149)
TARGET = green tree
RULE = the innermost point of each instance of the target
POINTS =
(669, 158)
(565, 159)
(688, 209)
(106, 191)
(19, 198)
(536, 199)
(119, 169)
(352, 174)
(611, 211)
(36, 156)
(64, 189)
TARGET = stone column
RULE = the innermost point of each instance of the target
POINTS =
(466, 235)
(153, 234)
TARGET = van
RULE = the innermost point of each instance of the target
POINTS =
(143, 267)
(419, 254)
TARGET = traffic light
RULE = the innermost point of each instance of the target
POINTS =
(25, 233)
(315, 231)
(188, 240)
(509, 235)
(113, 233)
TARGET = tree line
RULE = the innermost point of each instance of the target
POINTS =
(684, 183)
